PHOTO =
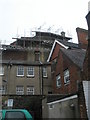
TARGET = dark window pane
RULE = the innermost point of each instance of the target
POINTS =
(15, 115)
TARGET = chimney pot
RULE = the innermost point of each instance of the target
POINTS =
(63, 34)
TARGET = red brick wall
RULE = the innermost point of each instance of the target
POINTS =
(56, 51)
(81, 101)
(62, 64)
(82, 35)
(85, 67)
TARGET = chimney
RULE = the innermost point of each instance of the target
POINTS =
(63, 34)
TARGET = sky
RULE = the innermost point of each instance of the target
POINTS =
(19, 17)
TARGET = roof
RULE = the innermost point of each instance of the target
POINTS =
(69, 44)
(64, 44)
(58, 97)
(23, 62)
(81, 29)
(51, 34)
(77, 56)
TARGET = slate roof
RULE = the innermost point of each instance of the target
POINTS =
(42, 33)
(64, 44)
(56, 97)
(23, 62)
(77, 56)
(69, 44)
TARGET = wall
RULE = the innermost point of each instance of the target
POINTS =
(26, 57)
(36, 81)
(63, 63)
(31, 103)
(82, 35)
(62, 108)
(55, 52)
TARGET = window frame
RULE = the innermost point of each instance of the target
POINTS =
(66, 75)
(44, 70)
(30, 69)
(20, 92)
(2, 89)
(32, 92)
(1, 70)
(58, 80)
(20, 68)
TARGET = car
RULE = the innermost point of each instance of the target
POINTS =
(15, 114)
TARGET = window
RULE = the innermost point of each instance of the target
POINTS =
(14, 115)
(30, 71)
(66, 76)
(19, 90)
(44, 72)
(58, 80)
(30, 90)
(2, 89)
(1, 70)
(51, 106)
(37, 56)
(20, 71)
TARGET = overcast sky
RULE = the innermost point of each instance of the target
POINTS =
(19, 17)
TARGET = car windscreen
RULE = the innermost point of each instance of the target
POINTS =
(15, 115)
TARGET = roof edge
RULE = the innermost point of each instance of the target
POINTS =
(56, 41)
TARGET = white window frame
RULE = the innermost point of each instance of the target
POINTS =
(2, 89)
(58, 80)
(66, 76)
(1, 70)
(20, 69)
(30, 90)
(30, 69)
(44, 72)
(19, 90)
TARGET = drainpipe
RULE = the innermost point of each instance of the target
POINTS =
(41, 77)
(9, 65)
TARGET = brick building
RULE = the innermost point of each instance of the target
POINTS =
(82, 35)
(68, 71)
(68, 58)
(25, 69)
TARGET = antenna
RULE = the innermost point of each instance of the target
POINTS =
(4, 42)
(69, 33)
(24, 33)
(50, 28)
(40, 27)
(17, 35)
(56, 31)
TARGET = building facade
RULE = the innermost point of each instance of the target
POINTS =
(25, 70)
